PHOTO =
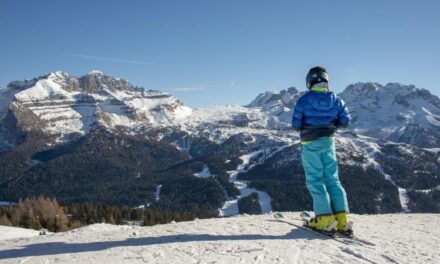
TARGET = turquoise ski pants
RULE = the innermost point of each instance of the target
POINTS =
(322, 179)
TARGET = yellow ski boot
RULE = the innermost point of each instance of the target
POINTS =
(344, 226)
(325, 223)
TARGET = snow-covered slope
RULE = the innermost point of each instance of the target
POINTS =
(9, 233)
(244, 239)
(221, 122)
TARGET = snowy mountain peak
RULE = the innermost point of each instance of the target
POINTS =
(278, 105)
(96, 72)
(270, 98)
(65, 105)
(60, 74)
(368, 89)
(396, 112)
(402, 113)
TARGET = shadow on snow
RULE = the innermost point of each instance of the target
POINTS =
(55, 248)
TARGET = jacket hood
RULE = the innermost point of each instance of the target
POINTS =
(321, 100)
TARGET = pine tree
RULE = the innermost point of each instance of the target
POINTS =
(4, 220)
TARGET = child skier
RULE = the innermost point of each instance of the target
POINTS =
(317, 115)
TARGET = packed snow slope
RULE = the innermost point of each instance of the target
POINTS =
(242, 239)
(8, 232)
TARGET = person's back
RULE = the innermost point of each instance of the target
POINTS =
(317, 115)
(319, 112)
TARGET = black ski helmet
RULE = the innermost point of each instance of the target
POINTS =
(316, 75)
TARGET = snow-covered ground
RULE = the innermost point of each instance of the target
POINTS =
(157, 192)
(7, 232)
(242, 239)
(403, 195)
(434, 150)
(205, 173)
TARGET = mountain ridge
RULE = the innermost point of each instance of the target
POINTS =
(67, 105)
(118, 132)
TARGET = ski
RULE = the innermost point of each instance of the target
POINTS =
(355, 238)
(305, 216)
(333, 235)
(280, 217)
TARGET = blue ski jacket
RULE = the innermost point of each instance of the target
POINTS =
(318, 113)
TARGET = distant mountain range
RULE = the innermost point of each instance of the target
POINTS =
(97, 138)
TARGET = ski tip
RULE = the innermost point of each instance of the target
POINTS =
(278, 215)
(305, 214)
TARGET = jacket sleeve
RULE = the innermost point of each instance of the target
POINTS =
(297, 118)
(343, 114)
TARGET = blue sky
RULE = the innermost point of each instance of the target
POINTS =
(210, 52)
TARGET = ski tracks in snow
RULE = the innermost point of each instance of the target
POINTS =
(230, 208)
(242, 239)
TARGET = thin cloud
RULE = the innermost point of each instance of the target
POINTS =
(201, 87)
(88, 57)
(188, 89)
